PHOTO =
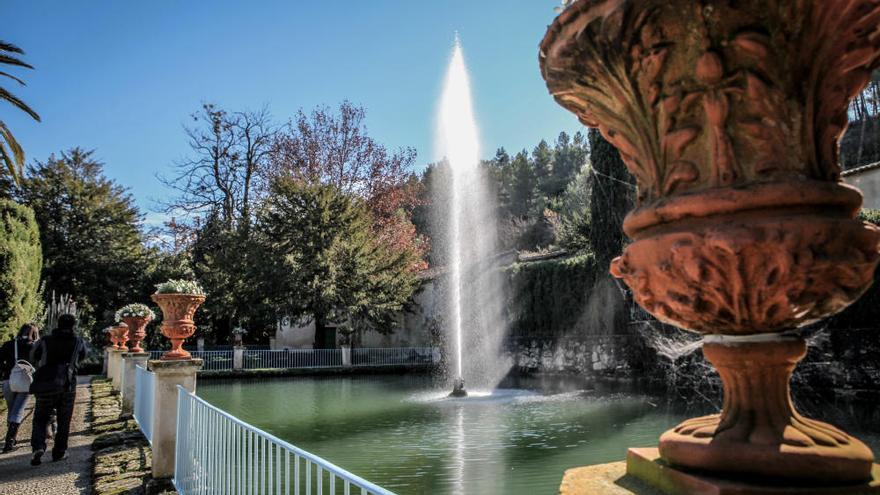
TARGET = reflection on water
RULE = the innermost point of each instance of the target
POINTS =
(402, 433)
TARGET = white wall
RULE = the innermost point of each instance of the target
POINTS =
(413, 328)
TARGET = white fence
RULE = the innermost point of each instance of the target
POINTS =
(218, 453)
(393, 356)
(293, 358)
(214, 360)
(253, 359)
(144, 399)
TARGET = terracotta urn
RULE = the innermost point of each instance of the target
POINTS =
(729, 114)
(137, 326)
(178, 311)
(120, 334)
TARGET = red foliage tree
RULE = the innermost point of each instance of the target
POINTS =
(334, 148)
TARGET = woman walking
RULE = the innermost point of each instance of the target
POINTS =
(16, 349)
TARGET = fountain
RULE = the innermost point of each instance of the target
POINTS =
(466, 225)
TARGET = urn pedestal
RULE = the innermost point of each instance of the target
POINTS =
(729, 114)
(178, 311)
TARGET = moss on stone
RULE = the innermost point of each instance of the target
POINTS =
(122, 459)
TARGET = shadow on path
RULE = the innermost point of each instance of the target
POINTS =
(70, 476)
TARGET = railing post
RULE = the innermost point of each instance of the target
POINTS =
(169, 374)
(114, 367)
(237, 357)
(128, 363)
(346, 355)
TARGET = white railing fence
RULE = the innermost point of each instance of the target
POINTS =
(214, 360)
(218, 453)
(293, 358)
(254, 359)
(144, 394)
(392, 356)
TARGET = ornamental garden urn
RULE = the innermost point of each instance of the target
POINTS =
(119, 333)
(729, 114)
(179, 301)
(136, 317)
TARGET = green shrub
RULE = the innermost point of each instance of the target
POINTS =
(21, 261)
(546, 297)
(868, 215)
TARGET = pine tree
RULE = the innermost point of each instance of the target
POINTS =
(322, 259)
(612, 193)
(89, 231)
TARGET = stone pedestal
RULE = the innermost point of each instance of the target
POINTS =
(200, 344)
(645, 473)
(346, 355)
(129, 361)
(114, 367)
(169, 374)
(106, 360)
(237, 358)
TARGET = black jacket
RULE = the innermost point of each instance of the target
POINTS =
(7, 355)
(58, 348)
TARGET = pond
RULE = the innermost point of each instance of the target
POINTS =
(402, 433)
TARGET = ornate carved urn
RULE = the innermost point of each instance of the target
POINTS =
(729, 114)
(120, 337)
(137, 326)
(178, 311)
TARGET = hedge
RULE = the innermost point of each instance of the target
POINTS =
(545, 296)
(21, 261)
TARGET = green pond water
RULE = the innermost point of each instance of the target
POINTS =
(402, 433)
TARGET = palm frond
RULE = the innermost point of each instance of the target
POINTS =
(10, 76)
(6, 59)
(17, 152)
(11, 98)
(9, 47)
(10, 164)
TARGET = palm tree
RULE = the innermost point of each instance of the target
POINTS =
(11, 153)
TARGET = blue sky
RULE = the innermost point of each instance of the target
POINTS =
(122, 77)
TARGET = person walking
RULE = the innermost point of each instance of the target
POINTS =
(11, 353)
(57, 358)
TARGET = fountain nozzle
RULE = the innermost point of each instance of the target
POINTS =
(458, 388)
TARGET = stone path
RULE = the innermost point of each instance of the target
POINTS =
(71, 476)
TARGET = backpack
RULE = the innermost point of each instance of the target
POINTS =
(22, 374)
(57, 378)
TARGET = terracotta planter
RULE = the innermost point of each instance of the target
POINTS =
(729, 115)
(178, 311)
(137, 326)
(120, 334)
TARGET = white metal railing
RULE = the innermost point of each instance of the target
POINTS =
(214, 360)
(253, 359)
(293, 358)
(144, 395)
(219, 453)
(392, 356)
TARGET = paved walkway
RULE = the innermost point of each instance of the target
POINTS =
(70, 476)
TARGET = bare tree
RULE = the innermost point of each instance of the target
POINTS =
(225, 175)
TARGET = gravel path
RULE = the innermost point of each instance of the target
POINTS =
(71, 476)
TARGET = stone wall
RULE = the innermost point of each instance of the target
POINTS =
(584, 356)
